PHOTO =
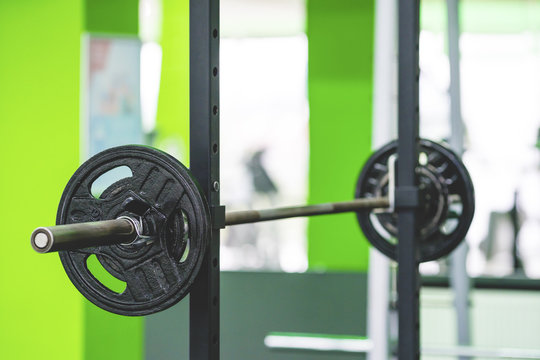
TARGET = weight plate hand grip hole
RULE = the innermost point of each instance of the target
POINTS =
(108, 178)
(103, 276)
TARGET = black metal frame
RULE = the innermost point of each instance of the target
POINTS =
(204, 164)
(204, 160)
(406, 187)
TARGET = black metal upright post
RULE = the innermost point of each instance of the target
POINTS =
(204, 164)
(406, 188)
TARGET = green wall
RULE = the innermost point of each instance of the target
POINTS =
(340, 35)
(172, 128)
(112, 16)
(42, 316)
(40, 311)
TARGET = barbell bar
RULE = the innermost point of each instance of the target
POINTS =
(253, 216)
(125, 230)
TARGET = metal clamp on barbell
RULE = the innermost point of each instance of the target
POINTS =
(124, 230)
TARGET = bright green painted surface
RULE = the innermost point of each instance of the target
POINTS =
(173, 106)
(112, 337)
(112, 16)
(41, 313)
(340, 35)
(109, 336)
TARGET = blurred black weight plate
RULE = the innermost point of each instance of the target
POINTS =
(446, 194)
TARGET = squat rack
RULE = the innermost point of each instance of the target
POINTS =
(204, 159)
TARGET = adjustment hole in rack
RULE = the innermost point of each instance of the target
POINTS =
(214, 71)
(215, 148)
(214, 301)
(214, 33)
(215, 262)
(215, 110)
(214, 339)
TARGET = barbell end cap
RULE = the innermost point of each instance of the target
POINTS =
(42, 240)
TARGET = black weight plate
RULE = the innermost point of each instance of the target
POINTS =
(446, 191)
(173, 210)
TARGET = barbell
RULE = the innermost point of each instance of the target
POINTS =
(150, 230)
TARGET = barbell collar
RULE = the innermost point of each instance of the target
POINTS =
(123, 230)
